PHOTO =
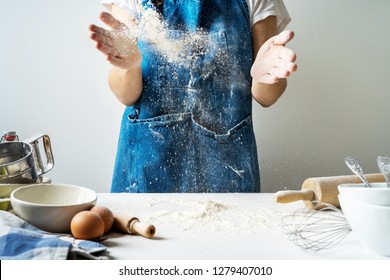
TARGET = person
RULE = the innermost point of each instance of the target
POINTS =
(188, 127)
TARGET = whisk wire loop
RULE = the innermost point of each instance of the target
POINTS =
(316, 230)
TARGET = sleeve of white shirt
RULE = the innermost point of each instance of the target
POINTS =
(130, 6)
(261, 9)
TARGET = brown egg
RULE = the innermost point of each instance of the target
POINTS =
(87, 225)
(106, 215)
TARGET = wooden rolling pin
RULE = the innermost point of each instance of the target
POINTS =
(133, 225)
(319, 190)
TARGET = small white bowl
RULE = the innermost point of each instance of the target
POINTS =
(51, 207)
(379, 194)
(370, 224)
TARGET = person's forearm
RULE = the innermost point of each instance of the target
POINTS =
(126, 84)
(268, 94)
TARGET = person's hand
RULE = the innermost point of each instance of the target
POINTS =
(119, 47)
(274, 61)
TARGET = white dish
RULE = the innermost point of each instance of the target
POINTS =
(370, 223)
(378, 194)
(51, 207)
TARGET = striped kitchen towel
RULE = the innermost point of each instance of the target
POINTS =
(20, 240)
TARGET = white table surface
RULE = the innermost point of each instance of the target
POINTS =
(214, 226)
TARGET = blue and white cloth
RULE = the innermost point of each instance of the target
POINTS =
(20, 240)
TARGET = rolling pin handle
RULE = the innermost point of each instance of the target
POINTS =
(144, 229)
(291, 196)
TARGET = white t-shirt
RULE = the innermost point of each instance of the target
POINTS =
(258, 10)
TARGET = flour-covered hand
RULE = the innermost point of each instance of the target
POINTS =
(116, 43)
(274, 61)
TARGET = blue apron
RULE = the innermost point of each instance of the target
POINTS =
(191, 130)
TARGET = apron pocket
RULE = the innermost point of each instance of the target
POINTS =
(160, 154)
(174, 153)
(229, 161)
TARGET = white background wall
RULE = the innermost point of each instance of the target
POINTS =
(53, 81)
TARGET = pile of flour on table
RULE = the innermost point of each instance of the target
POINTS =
(178, 217)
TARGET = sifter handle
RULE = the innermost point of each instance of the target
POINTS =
(291, 196)
(40, 166)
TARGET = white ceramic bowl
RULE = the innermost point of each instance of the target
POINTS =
(370, 224)
(51, 207)
(379, 194)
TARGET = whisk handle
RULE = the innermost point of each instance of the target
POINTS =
(291, 196)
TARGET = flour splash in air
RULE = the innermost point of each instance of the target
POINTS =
(180, 47)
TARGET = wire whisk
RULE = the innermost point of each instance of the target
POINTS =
(316, 230)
